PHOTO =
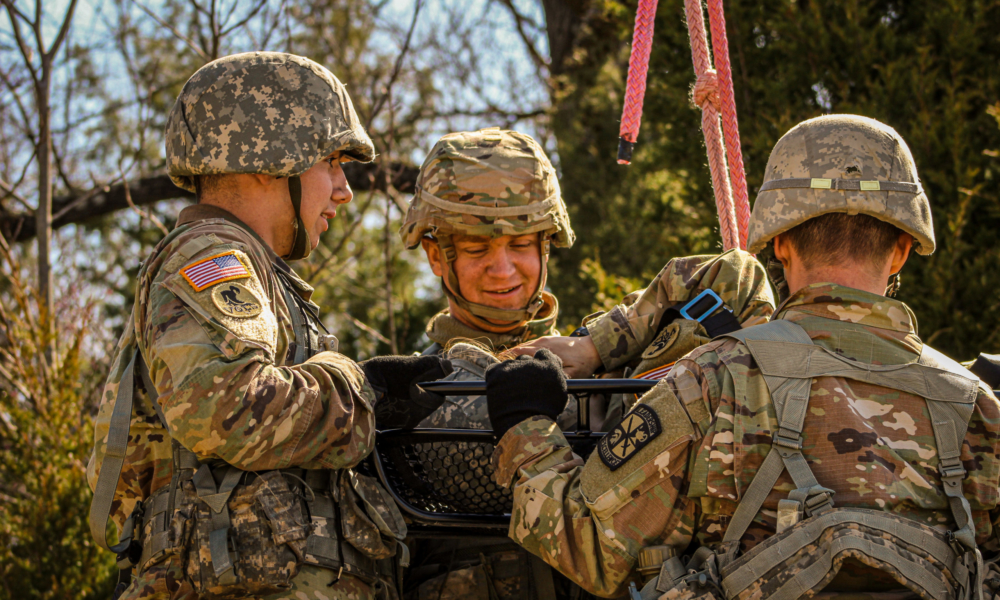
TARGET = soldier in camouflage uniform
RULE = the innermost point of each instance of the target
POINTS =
(223, 376)
(699, 464)
(486, 210)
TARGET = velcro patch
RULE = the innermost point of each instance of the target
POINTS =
(215, 269)
(637, 429)
(236, 300)
(662, 341)
(656, 374)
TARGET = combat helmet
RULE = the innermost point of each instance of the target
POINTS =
(270, 113)
(841, 163)
(490, 182)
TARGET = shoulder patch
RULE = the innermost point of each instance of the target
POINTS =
(637, 429)
(662, 341)
(236, 300)
(226, 266)
(234, 309)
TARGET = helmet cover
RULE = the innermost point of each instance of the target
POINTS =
(490, 182)
(841, 163)
(261, 112)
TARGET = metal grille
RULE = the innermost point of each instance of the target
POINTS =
(454, 477)
(444, 476)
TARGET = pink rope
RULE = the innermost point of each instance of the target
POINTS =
(714, 145)
(638, 64)
(737, 176)
(713, 93)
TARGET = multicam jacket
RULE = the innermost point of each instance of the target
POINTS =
(215, 328)
(872, 445)
(628, 331)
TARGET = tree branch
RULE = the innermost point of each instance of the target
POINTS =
(20, 226)
(174, 31)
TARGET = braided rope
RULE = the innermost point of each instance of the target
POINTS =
(638, 65)
(714, 145)
(713, 93)
(737, 175)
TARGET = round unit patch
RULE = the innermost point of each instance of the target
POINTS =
(236, 300)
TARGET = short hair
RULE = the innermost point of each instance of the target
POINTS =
(210, 184)
(837, 238)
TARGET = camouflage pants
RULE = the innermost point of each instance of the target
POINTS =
(166, 581)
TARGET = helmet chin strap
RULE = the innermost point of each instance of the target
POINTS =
(489, 318)
(300, 243)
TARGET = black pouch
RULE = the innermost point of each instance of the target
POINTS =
(245, 539)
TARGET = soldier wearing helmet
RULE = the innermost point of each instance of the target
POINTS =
(829, 451)
(486, 210)
(229, 423)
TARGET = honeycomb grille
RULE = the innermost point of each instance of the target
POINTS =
(447, 477)
(447, 472)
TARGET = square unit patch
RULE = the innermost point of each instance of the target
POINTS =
(637, 429)
(215, 269)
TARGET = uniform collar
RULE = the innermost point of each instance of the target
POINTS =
(201, 212)
(443, 328)
(841, 303)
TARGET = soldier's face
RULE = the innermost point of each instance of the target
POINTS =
(501, 272)
(324, 188)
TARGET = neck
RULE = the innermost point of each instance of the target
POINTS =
(853, 276)
(260, 211)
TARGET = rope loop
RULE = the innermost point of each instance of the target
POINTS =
(706, 90)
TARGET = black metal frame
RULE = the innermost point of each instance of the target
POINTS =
(428, 520)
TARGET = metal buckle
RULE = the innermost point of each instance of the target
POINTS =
(694, 302)
(328, 343)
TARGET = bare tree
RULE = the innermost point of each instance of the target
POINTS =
(41, 78)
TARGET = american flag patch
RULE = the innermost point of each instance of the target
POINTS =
(215, 269)
(655, 374)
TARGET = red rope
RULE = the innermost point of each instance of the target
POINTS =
(737, 175)
(713, 93)
(706, 92)
(638, 64)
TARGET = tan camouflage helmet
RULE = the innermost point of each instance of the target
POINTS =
(841, 163)
(490, 182)
(261, 112)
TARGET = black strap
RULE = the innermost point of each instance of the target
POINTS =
(721, 322)
(987, 368)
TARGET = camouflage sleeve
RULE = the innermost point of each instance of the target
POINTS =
(590, 520)
(222, 395)
(624, 332)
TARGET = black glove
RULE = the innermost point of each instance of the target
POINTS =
(400, 402)
(522, 388)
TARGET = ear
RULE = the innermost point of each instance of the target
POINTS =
(782, 251)
(902, 251)
(434, 255)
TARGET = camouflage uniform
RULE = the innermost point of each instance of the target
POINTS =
(701, 435)
(227, 330)
(632, 339)
(490, 183)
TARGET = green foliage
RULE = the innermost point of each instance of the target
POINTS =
(45, 440)
(925, 68)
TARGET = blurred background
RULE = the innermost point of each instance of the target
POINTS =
(85, 87)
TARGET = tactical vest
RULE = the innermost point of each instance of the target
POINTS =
(813, 536)
(242, 533)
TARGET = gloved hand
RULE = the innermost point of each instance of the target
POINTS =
(400, 401)
(525, 387)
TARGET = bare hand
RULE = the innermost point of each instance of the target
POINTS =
(579, 355)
